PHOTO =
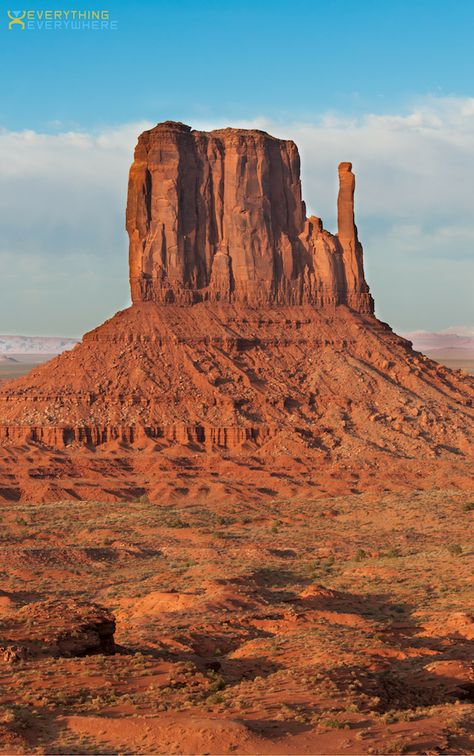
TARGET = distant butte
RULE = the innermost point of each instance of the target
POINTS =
(250, 363)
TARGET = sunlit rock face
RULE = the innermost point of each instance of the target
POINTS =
(218, 216)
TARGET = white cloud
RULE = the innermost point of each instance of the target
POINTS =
(63, 247)
(62, 199)
(416, 166)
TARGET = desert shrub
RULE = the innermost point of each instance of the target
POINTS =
(174, 522)
(218, 683)
(391, 553)
(223, 520)
(321, 567)
(333, 724)
(396, 746)
(215, 698)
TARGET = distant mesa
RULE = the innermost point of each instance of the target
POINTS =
(36, 345)
(443, 340)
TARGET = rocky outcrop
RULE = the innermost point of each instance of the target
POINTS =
(57, 628)
(219, 216)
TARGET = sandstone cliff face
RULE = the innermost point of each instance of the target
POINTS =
(218, 216)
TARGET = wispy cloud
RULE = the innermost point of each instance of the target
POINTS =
(62, 197)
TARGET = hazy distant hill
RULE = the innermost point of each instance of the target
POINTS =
(426, 341)
(7, 358)
(35, 344)
(455, 350)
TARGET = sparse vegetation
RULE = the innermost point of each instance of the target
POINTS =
(295, 634)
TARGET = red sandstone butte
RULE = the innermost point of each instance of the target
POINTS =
(251, 350)
(219, 217)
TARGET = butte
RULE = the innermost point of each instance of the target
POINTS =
(250, 363)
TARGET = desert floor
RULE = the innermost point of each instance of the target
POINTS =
(323, 626)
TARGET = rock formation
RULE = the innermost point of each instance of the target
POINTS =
(251, 334)
(58, 628)
(219, 217)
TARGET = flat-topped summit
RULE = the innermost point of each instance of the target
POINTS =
(184, 128)
(167, 126)
(218, 216)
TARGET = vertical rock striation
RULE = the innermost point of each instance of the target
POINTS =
(218, 216)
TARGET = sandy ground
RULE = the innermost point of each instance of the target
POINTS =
(325, 625)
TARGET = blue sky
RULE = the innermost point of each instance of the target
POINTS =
(388, 82)
(237, 59)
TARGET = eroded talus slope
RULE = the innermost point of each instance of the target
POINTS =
(223, 375)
